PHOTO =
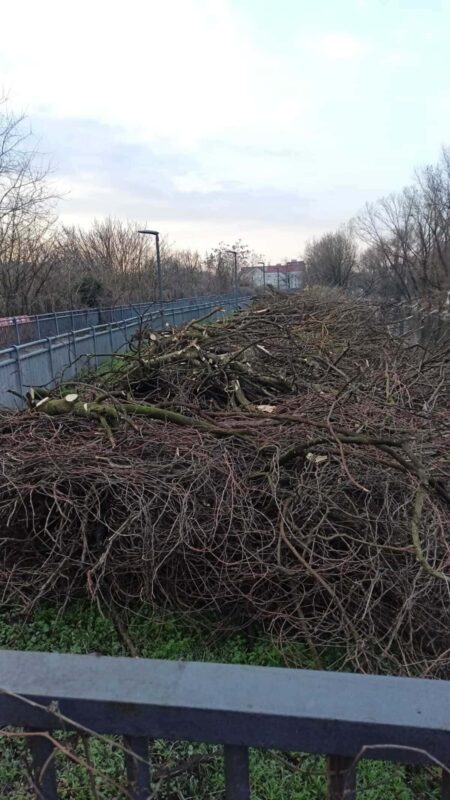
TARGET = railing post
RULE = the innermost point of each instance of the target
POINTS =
(74, 345)
(16, 327)
(55, 316)
(237, 779)
(42, 755)
(50, 356)
(341, 776)
(19, 368)
(137, 767)
(94, 339)
(445, 785)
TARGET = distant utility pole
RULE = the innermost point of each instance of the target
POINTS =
(234, 253)
(158, 263)
(262, 267)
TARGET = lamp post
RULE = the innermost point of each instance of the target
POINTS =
(158, 263)
(234, 252)
(262, 267)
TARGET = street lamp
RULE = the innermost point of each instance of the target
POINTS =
(158, 263)
(234, 252)
(262, 267)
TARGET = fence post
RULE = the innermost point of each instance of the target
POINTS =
(55, 317)
(341, 778)
(445, 785)
(237, 781)
(74, 345)
(94, 339)
(50, 356)
(137, 766)
(16, 328)
(19, 368)
(38, 326)
(43, 758)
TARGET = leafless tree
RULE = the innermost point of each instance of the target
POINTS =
(332, 259)
(26, 221)
(408, 234)
(220, 264)
(113, 253)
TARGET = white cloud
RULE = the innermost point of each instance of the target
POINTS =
(193, 182)
(171, 73)
(335, 46)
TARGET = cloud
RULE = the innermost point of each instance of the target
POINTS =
(102, 174)
(218, 115)
(335, 46)
(173, 73)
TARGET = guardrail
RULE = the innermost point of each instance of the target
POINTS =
(346, 717)
(43, 362)
(21, 329)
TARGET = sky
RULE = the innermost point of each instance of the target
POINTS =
(270, 121)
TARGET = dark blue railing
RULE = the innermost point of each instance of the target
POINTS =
(346, 717)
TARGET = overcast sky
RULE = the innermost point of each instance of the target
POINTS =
(265, 120)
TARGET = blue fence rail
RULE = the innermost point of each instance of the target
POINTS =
(44, 362)
(345, 717)
(21, 329)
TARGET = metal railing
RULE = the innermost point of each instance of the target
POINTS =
(21, 329)
(346, 717)
(42, 363)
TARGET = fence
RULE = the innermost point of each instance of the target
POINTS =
(53, 358)
(346, 716)
(22, 329)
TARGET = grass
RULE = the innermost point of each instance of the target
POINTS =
(275, 776)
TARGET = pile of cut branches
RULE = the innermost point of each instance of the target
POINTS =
(289, 467)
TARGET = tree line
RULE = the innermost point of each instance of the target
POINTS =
(46, 266)
(397, 247)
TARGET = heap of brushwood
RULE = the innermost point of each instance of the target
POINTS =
(288, 467)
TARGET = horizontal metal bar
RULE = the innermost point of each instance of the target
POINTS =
(68, 313)
(315, 712)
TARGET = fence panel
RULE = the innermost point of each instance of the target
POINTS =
(29, 328)
(44, 362)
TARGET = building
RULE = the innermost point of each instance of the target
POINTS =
(281, 276)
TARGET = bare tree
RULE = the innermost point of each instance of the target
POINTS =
(332, 259)
(408, 235)
(219, 263)
(114, 254)
(26, 221)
